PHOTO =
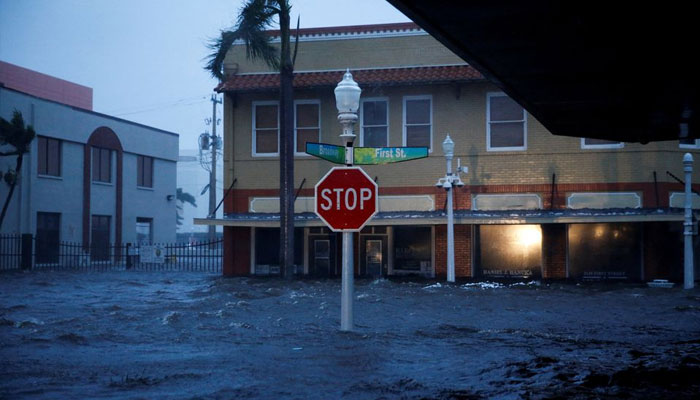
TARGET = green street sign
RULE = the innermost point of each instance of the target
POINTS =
(329, 152)
(386, 155)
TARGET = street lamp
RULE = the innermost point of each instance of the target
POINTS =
(347, 100)
(448, 182)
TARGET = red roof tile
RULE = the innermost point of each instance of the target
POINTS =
(364, 77)
(335, 30)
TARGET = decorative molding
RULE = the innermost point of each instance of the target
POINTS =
(529, 201)
(677, 199)
(604, 200)
(386, 203)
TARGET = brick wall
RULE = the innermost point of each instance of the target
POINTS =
(553, 251)
(463, 251)
(236, 251)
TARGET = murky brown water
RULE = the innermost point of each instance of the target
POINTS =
(182, 335)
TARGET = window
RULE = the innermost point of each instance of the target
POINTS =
(689, 143)
(265, 128)
(144, 171)
(99, 237)
(588, 143)
(144, 230)
(505, 126)
(509, 251)
(101, 165)
(307, 123)
(47, 237)
(49, 156)
(374, 123)
(417, 121)
(412, 248)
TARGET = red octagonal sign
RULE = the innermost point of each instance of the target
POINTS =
(346, 198)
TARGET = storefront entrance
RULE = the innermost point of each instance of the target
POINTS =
(374, 259)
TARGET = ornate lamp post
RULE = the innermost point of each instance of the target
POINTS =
(447, 183)
(347, 100)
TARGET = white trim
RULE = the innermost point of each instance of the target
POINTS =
(309, 101)
(349, 35)
(489, 95)
(362, 118)
(252, 251)
(604, 194)
(390, 250)
(617, 145)
(254, 106)
(430, 122)
(690, 146)
(306, 250)
(430, 199)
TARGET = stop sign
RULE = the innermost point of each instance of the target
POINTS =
(346, 198)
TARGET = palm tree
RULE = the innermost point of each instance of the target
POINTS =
(254, 18)
(182, 198)
(19, 136)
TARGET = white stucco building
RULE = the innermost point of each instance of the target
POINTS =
(88, 177)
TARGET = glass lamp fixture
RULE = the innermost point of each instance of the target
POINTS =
(347, 94)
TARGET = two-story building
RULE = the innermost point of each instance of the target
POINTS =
(88, 178)
(533, 204)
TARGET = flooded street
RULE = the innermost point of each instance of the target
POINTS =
(182, 335)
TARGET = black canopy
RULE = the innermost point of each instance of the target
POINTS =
(616, 70)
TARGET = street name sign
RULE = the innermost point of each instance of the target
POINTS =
(366, 155)
(346, 198)
(386, 155)
(328, 152)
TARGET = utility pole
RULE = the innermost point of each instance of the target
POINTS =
(215, 143)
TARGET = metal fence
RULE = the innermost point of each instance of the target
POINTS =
(27, 252)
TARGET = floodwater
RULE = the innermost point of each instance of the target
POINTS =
(185, 335)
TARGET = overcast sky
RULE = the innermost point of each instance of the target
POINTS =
(143, 58)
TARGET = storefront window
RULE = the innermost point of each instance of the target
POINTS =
(412, 248)
(267, 249)
(510, 251)
(605, 251)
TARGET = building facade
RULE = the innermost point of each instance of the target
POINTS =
(534, 205)
(88, 178)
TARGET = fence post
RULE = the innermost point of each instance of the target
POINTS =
(27, 247)
(128, 255)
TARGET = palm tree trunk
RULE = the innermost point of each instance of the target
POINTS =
(18, 166)
(286, 148)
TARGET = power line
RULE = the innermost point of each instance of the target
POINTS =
(159, 106)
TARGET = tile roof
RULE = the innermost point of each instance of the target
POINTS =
(364, 77)
(351, 29)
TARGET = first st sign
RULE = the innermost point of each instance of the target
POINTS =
(346, 199)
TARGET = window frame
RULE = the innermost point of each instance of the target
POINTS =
(46, 153)
(305, 101)
(99, 163)
(362, 118)
(140, 171)
(490, 95)
(254, 106)
(617, 145)
(404, 124)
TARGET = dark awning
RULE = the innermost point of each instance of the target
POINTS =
(466, 217)
(611, 70)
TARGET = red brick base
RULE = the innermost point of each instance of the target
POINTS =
(463, 251)
(236, 251)
(553, 251)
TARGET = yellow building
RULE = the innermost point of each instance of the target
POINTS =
(534, 205)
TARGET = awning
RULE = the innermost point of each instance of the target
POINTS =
(609, 70)
(466, 217)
